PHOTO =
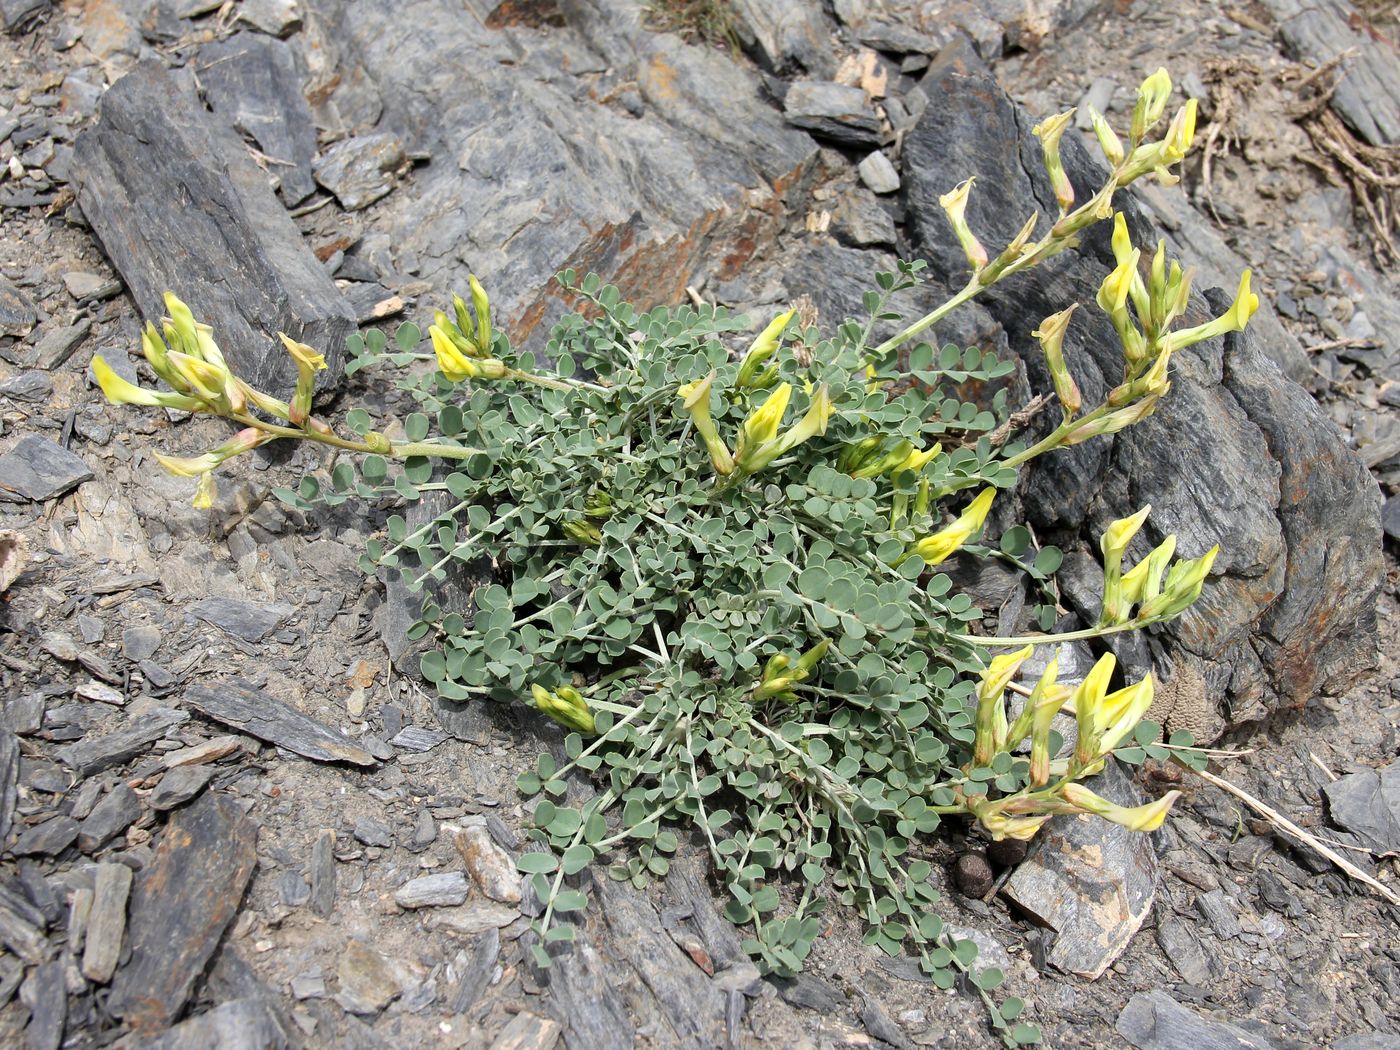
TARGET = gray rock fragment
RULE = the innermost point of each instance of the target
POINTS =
(90, 287)
(444, 889)
(418, 739)
(368, 982)
(45, 993)
(474, 970)
(275, 17)
(489, 865)
(1089, 880)
(833, 111)
(94, 754)
(360, 170)
(16, 16)
(878, 173)
(33, 386)
(247, 620)
(251, 81)
(784, 35)
(373, 832)
(242, 265)
(1367, 804)
(262, 715)
(1155, 1021)
(140, 642)
(48, 839)
(58, 344)
(17, 313)
(37, 470)
(323, 873)
(179, 785)
(183, 902)
(240, 1024)
(116, 812)
(106, 923)
(1183, 950)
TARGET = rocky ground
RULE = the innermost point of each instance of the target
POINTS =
(228, 818)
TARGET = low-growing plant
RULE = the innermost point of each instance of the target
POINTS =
(720, 571)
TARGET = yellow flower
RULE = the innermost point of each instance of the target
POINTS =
(762, 425)
(1232, 320)
(1049, 132)
(1051, 334)
(695, 399)
(206, 381)
(1148, 817)
(204, 493)
(183, 324)
(1144, 581)
(954, 204)
(936, 548)
(119, 392)
(1118, 713)
(1088, 698)
(454, 364)
(308, 363)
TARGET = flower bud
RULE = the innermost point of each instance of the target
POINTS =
(308, 363)
(182, 325)
(1049, 132)
(762, 348)
(1109, 142)
(1144, 581)
(1183, 586)
(1151, 102)
(482, 305)
(1088, 698)
(762, 425)
(991, 705)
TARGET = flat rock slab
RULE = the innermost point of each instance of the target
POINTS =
(359, 171)
(182, 904)
(251, 81)
(1089, 880)
(36, 470)
(241, 1024)
(179, 786)
(1367, 804)
(94, 754)
(262, 715)
(238, 260)
(444, 889)
(833, 111)
(1156, 1021)
(9, 782)
(247, 620)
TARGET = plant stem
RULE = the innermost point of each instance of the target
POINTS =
(933, 317)
(1045, 639)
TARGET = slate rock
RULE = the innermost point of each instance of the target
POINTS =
(9, 783)
(140, 642)
(527, 1031)
(360, 170)
(833, 111)
(242, 265)
(785, 35)
(106, 924)
(256, 713)
(1390, 518)
(48, 839)
(1367, 804)
(116, 812)
(478, 917)
(17, 16)
(292, 889)
(58, 344)
(1156, 1021)
(37, 470)
(1183, 950)
(861, 221)
(45, 993)
(184, 900)
(1367, 94)
(1089, 880)
(323, 873)
(368, 982)
(489, 865)
(17, 313)
(239, 1024)
(373, 832)
(31, 385)
(443, 889)
(90, 287)
(474, 970)
(418, 739)
(250, 621)
(1368, 1041)
(94, 754)
(251, 81)
(877, 172)
(179, 785)
(21, 936)
(276, 17)
(1256, 466)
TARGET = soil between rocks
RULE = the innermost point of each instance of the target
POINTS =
(1246, 927)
